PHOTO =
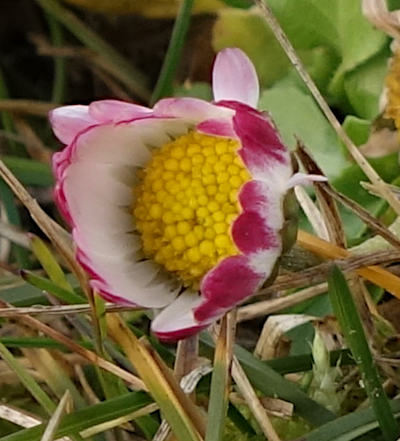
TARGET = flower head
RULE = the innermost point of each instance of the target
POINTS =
(179, 207)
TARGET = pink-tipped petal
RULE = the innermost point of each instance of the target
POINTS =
(262, 151)
(235, 78)
(262, 198)
(217, 127)
(251, 233)
(107, 111)
(68, 121)
(225, 286)
(177, 321)
(253, 196)
(191, 109)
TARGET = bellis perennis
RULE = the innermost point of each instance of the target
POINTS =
(180, 207)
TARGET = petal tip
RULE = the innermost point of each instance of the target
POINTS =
(235, 77)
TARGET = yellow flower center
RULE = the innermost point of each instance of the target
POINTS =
(186, 201)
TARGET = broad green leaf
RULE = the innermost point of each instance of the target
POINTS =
(363, 86)
(357, 39)
(87, 417)
(296, 114)
(347, 315)
(349, 184)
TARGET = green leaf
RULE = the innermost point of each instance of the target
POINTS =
(244, 4)
(195, 90)
(363, 85)
(87, 417)
(350, 323)
(29, 171)
(296, 114)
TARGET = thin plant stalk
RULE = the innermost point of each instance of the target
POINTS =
(171, 60)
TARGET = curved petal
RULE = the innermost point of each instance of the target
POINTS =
(225, 286)
(107, 111)
(235, 78)
(177, 320)
(262, 150)
(217, 127)
(68, 121)
(251, 233)
(192, 109)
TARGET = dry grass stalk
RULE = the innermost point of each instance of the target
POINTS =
(329, 211)
(373, 273)
(30, 107)
(312, 212)
(91, 356)
(62, 408)
(14, 234)
(265, 307)
(253, 401)
(273, 330)
(34, 145)
(59, 310)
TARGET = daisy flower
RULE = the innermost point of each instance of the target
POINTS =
(181, 208)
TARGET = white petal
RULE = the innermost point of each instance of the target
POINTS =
(235, 78)
(178, 315)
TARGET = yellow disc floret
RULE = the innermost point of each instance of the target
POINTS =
(185, 203)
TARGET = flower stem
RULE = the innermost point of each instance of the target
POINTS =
(164, 82)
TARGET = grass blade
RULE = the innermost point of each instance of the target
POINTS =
(28, 381)
(116, 63)
(269, 382)
(59, 80)
(220, 380)
(49, 263)
(177, 408)
(171, 60)
(351, 426)
(44, 284)
(88, 417)
(350, 323)
(29, 171)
